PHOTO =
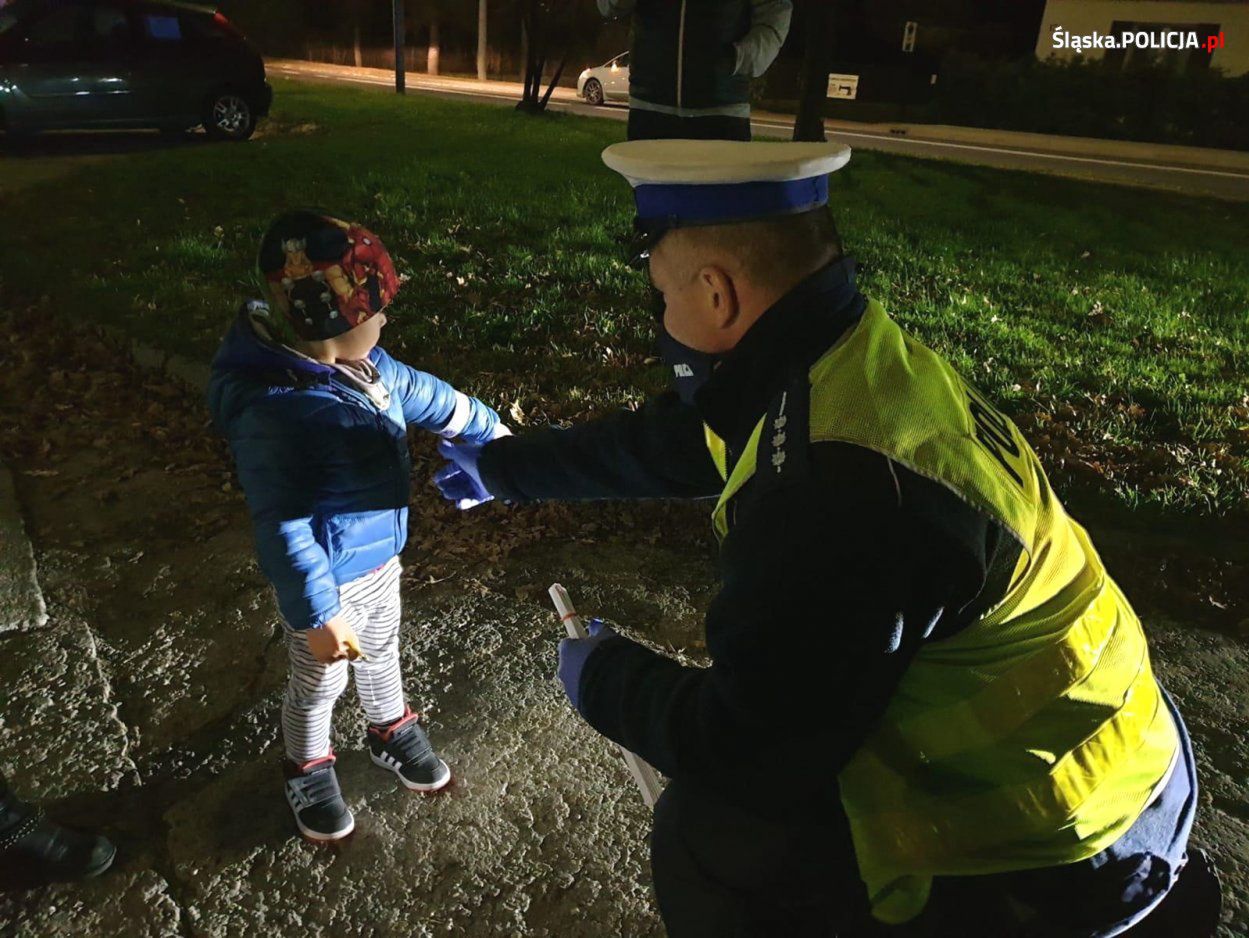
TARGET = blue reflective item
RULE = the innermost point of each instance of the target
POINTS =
(674, 205)
(459, 480)
(164, 28)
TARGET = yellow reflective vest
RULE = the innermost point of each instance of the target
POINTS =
(1035, 736)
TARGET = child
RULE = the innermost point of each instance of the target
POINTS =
(316, 415)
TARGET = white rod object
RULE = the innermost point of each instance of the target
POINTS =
(643, 773)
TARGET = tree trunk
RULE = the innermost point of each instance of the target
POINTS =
(813, 80)
(524, 50)
(530, 80)
(356, 40)
(538, 42)
(434, 50)
(559, 70)
(481, 40)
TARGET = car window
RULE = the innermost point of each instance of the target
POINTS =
(623, 61)
(162, 27)
(202, 27)
(60, 25)
(109, 24)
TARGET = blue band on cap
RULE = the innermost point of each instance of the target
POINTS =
(739, 201)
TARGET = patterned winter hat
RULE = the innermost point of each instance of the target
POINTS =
(326, 275)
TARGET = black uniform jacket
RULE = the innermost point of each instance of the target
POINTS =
(833, 573)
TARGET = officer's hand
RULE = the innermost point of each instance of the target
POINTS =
(573, 654)
(459, 481)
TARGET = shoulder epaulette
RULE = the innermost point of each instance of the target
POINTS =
(784, 451)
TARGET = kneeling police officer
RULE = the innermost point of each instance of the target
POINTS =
(930, 710)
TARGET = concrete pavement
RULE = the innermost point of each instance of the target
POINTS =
(21, 600)
(1188, 170)
(146, 706)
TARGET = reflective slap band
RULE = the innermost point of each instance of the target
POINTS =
(460, 418)
(729, 202)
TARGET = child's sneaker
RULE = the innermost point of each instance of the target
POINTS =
(404, 748)
(316, 800)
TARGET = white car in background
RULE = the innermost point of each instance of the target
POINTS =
(608, 82)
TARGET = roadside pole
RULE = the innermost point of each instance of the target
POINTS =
(400, 26)
(482, 42)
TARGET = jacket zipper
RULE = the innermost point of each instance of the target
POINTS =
(681, 57)
(380, 417)
(343, 390)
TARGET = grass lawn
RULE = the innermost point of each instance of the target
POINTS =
(1112, 323)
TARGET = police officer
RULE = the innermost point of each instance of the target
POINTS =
(928, 702)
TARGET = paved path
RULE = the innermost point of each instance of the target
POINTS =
(1190, 170)
(146, 705)
(21, 600)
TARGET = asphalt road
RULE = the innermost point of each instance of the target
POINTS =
(1190, 180)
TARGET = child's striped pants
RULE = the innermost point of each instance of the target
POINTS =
(371, 605)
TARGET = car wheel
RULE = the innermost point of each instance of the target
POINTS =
(229, 116)
(593, 91)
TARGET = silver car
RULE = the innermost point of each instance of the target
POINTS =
(608, 82)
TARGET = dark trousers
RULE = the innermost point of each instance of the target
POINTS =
(651, 125)
(723, 872)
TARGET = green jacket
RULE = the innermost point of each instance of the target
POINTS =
(695, 58)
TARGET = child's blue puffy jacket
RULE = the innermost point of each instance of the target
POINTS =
(324, 469)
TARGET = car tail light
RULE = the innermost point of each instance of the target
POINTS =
(228, 27)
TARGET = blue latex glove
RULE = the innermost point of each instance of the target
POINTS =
(573, 654)
(459, 481)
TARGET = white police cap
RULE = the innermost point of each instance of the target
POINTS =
(706, 182)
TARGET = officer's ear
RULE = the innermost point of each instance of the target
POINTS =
(719, 296)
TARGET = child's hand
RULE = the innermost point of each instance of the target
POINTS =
(333, 641)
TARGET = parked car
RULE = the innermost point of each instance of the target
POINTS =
(87, 64)
(608, 82)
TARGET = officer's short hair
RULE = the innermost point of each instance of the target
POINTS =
(769, 250)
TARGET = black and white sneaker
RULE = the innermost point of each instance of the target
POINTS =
(404, 748)
(316, 800)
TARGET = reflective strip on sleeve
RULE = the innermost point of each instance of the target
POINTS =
(460, 418)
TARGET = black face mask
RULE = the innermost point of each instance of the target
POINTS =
(658, 305)
(691, 369)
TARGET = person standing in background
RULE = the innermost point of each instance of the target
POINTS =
(692, 61)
